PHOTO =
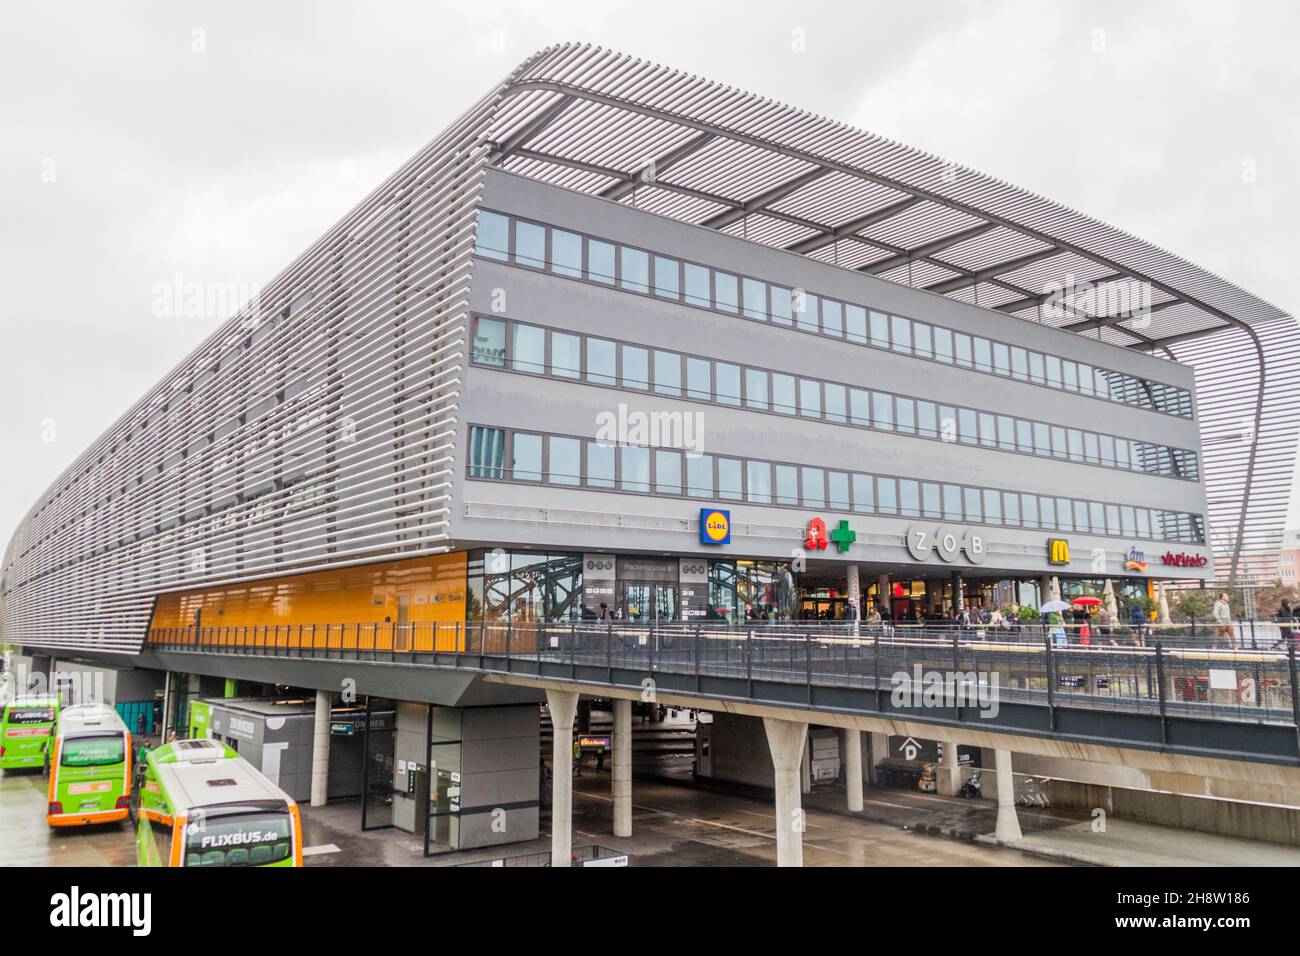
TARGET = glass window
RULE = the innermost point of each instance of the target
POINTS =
(1019, 363)
(1074, 439)
(962, 346)
(1081, 517)
(814, 487)
(729, 478)
(901, 333)
(526, 457)
(947, 423)
(922, 340)
(930, 501)
(566, 253)
(880, 330)
(943, 345)
(859, 406)
(565, 460)
(855, 323)
(882, 411)
(725, 293)
(927, 421)
(864, 493)
(1112, 519)
(968, 429)
(1042, 440)
(1070, 376)
(781, 305)
(530, 244)
(1090, 450)
(758, 477)
(1107, 450)
(983, 354)
(810, 398)
(600, 361)
(490, 342)
(699, 476)
(755, 388)
(806, 315)
(787, 485)
(668, 372)
(992, 506)
(1024, 436)
(600, 261)
(836, 403)
(668, 472)
(728, 383)
(1047, 513)
(1143, 523)
(905, 413)
(487, 450)
(667, 278)
(528, 350)
(974, 512)
(634, 462)
(1036, 371)
(1097, 517)
(492, 239)
(698, 383)
(1059, 448)
(755, 293)
(837, 490)
(783, 393)
(636, 367)
(988, 430)
(1053, 371)
(1029, 510)
(886, 496)
(634, 269)
(1128, 521)
(1011, 507)
(951, 503)
(600, 465)
(697, 286)
(1001, 359)
(566, 355)
(1064, 518)
(832, 318)
(909, 498)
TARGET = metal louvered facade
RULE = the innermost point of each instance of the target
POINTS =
(316, 429)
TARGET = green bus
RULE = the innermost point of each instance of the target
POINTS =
(198, 803)
(89, 766)
(25, 727)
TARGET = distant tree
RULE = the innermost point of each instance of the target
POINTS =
(1268, 600)
(1193, 605)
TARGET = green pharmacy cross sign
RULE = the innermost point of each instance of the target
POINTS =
(843, 536)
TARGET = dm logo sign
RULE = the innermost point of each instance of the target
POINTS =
(715, 526)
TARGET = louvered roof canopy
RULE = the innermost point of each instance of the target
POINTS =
(609, 125)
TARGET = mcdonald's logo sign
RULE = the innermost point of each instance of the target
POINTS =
(1058, 551)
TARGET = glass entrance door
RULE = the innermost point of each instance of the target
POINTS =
(649, 602)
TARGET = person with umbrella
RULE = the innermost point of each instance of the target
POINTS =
(1051, 612)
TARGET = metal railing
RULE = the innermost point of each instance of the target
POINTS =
(1155, 671)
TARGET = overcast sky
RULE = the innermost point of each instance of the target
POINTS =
(140, 141)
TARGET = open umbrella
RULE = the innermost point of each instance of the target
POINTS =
(1087, 600)
(1051, 606)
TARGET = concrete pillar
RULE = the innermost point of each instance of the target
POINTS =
(958, 599)
(563, 706)
(1008, 828)
(948, 773)
(621, 785)
(805, 771)
(169, 702)
(853, 768)
(854, 593)
(787, 739)
(583, 725)
(883, 596)
(879, 751)
(320, 750)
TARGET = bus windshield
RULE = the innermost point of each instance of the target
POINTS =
(98, 751)
(247, 839)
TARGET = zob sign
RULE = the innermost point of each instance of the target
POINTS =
(948, 543)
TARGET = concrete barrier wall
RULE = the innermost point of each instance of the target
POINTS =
(1253, 821)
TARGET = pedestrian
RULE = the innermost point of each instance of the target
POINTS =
(139, 724)
(577, 758)
(1138, 618)
(1222, 615)
(1284, 617)
(600, 759)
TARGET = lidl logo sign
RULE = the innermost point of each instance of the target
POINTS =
(1058, 551)
(715, 526)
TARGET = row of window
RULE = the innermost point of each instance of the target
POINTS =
(509, 455)
(564, 253)
(566, 355)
